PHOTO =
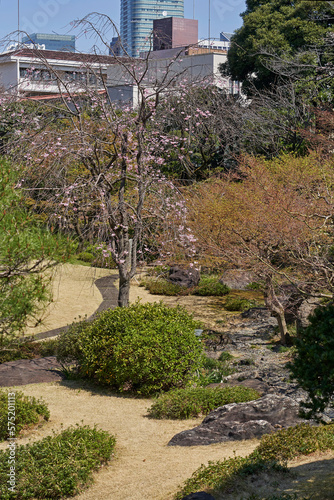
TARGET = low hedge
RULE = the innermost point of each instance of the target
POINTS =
(20, 410)
(58, 466)
(196, 401)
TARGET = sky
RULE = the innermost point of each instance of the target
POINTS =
(48, 16)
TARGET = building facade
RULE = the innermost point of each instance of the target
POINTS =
(29, 72)
(137, 18)
(51, 41)
(173, 32)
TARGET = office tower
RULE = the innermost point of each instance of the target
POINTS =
(52, 41)
(137, 18)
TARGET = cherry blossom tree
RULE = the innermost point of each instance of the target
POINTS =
(95, 166)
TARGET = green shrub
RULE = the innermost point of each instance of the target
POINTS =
(225, 356)
(24, 411)
(27, 350)
(195, 401)
(94, 255)
(143, 348)
(238, 304)
(58, 466)
(290, 443)
(313, 364)
(86, 257)
(210, 286)
(164, 287)
(212, 371)
(68, 347)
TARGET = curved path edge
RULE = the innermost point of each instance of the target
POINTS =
(48, 369)
(109, 293)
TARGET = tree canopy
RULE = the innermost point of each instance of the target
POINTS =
(280, 27)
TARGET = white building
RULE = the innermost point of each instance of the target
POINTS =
(30, 72)
(193, 66)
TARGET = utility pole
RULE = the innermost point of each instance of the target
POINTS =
(18, 22)
(209, 28)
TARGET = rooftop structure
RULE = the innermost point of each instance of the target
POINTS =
(52, 41)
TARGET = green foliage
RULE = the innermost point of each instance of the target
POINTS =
(238, 304)
(225, 356)
(197, 401)
(27, 350)
(221, 475)
(210, 286)
(25, 412)
(68, 343)
(93, 254)
(290, 443)
(143, 348)
(313, 364)
(277, 27)
(212, 371)
(271, 455)
(164, 287)
(58, 466)
(26, 250)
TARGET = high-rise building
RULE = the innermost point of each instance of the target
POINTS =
(51, 41)
(137, 18)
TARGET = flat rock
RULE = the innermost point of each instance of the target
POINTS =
(30, 371)
(239, 421)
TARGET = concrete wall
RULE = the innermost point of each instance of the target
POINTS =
(9, 75)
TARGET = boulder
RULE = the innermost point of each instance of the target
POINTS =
(237, 279)
(239, 421)
(199, 495)
(188, 277)
(306, 308)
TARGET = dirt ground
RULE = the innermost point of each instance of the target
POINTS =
(144, 468)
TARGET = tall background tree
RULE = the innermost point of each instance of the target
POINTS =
(282, 28)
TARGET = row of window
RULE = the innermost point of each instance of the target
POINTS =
(68, 76)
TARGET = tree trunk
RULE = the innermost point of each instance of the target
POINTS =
(280, 316)
(277, 309)
(123, 292)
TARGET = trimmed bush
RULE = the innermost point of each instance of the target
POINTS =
(143, 348)
(238, 304)
(27, 412)
(196, 401)
(210, 286)
(58, 466)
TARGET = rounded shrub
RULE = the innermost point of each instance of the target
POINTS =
(195, 401)
(211, 286)
(143, 348)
